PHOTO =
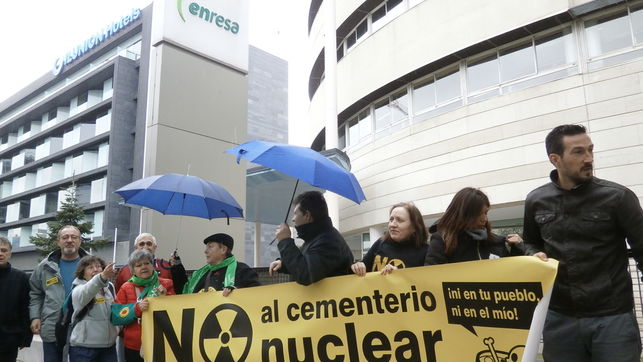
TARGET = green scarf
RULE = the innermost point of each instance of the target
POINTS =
(228, 280)
(149, 284)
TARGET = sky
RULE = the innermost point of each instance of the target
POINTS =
(34, 33)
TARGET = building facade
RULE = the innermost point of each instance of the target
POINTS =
(151, 93)
(433, 96)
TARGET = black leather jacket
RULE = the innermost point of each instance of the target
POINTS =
(585, 230)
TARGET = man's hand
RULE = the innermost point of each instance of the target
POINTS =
(283, 232)
(35, 326)
(540, 255)
(175, 259)
(227, 291)
(274, 267)
(359, 268)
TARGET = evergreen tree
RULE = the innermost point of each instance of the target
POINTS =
(70, 213)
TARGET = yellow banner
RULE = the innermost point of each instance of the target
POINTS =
(474, 311)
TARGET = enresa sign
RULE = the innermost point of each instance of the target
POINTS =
(214, 28)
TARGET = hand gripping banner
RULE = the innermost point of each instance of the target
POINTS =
(490, 310)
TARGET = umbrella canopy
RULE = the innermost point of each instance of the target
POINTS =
(303, 164)
(174, 194)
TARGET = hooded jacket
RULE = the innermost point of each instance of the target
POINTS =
(47, 294)
(324, 253)
(400, 254)
(95, 329)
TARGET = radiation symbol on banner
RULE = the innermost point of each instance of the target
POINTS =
(226, 334)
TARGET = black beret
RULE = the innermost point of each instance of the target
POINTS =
(222, 238)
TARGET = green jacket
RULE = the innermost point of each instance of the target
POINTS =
(47, 294)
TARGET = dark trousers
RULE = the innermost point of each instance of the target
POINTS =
(8, 352)
(132, 355)
(595, 339)
(84, 354)
(52, 352)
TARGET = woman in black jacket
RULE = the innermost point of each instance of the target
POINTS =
(463, 233)
(402, 246)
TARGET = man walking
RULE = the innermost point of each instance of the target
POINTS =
(15, 331)
(50, 283)
(324, 253)
(584, 222)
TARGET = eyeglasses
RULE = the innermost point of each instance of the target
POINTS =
(145, 243)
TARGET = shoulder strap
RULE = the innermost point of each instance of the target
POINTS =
(110, 286)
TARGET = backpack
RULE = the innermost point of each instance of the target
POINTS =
(64, 325)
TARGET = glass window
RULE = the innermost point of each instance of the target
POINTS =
(362, 28)
(447, 86)
(423, 96)
(636, 16)
(340, 51)
(350, 40)
(399, 106)
(382, 114)
(482, 73)
(365, 124)
(555, 50)
(378, 14)
(52, 114)
(341, 140)
(390, 4)
(353, 131)
(517, 62)
(607, 34)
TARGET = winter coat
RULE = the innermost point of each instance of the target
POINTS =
(244, 277)
(324, 253)
(47, 294)
(95, 329)
(585, 229)
(14, 310)
(468, 248)
(128, 294)
(176, 273)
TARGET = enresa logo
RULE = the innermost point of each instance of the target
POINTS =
(209, 16)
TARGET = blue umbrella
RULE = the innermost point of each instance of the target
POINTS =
(174, 194)
(303, 164)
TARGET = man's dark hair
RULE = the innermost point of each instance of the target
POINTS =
(554, 140)
(314, 203)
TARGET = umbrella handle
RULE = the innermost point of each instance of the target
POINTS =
(287, 212)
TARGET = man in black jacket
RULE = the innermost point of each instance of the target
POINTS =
(324, 253)
(15, 331)
(583, 222)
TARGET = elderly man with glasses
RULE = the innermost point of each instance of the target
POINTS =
(172, 269)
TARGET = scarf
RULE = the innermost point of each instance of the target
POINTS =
(228, 280)
(308, 232)
(149, 284)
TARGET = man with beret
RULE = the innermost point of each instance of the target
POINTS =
(222, 271)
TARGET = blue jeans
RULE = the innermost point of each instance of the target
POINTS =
(84, 354)
(596, 339)
(51, 352)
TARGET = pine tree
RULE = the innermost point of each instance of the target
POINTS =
(70, 213)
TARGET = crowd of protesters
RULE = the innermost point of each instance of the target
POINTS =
(577, 218)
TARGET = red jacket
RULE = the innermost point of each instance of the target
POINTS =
(127, 294)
